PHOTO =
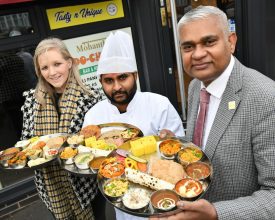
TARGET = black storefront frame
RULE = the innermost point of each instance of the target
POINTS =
(144, 19)
(143, 16)
(154, 43)
(252, 29)
(21, 189)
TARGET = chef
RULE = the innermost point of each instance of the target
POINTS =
(150, 112)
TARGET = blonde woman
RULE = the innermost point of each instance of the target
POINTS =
(58, 105)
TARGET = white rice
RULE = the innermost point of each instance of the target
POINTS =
(136, 198)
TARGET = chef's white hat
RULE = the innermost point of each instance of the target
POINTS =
(117, 55)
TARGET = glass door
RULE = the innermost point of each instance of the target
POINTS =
(175, 10)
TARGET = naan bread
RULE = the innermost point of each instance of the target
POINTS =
(147, 180)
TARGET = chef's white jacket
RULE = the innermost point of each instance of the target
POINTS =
(149, 112)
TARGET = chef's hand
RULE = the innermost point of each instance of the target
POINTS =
(198, 210)
(166, 133)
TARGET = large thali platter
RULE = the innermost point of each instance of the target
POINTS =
(34, 153)
(96, 142)
(177, 170)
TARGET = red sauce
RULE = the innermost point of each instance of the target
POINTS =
(198, 170)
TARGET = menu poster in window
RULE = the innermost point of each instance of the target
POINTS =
(86, 51)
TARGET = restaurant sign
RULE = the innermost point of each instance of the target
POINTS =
(83, 14)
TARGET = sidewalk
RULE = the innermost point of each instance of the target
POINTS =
(34, 211)
(38, 211)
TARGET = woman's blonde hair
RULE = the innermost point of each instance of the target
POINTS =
(42, 85)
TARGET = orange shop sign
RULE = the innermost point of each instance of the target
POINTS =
(83, 14)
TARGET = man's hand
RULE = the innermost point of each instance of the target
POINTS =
(166, 133)
(198, 210)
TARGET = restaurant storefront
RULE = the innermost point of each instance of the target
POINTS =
(84, 26)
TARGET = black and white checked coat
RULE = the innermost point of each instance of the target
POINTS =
(241, 146)
(85, 188)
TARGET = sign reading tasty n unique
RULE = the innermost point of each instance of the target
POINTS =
(83, 14)
(86, 51)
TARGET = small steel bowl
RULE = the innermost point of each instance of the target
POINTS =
(165, 197)
(192, 189)
(112, 164)
(198, 170)
(189, 154)
(50, 153)
(83, 164)
(173, 145)
(131, 195)
(95, 163)
(112, 188)
(69, 160)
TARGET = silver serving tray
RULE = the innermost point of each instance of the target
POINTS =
(39, 166)
(150, 211)
(72, 168)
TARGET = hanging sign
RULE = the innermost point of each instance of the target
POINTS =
(83, 14)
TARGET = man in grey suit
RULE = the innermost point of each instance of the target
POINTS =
(239, 132)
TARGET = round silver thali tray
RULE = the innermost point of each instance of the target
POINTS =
(108, 127)
(4, 163)
(149, 209)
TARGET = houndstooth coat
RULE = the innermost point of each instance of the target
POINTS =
(85, 188)
(241, 146)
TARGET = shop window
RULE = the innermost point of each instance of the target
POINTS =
(17, 24)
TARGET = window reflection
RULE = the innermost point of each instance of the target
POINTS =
(15, 25)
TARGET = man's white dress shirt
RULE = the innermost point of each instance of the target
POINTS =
(216, 89)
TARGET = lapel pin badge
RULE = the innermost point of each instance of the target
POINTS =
(231, 105)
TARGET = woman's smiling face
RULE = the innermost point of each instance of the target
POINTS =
(55, 69)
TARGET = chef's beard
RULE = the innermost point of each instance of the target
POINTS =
(129, 95)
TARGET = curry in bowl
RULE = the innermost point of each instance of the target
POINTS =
(170, 147)
(164, 200)
(188, 188)
(189, 155)
(115, 188)
(198, 170)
